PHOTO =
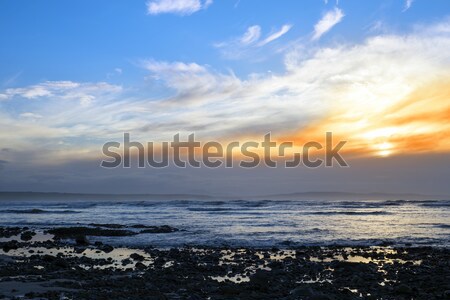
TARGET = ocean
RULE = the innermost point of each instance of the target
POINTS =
(247, 223)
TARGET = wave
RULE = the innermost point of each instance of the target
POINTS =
(443, 226)
(436, 204)
(38, 211)
(348, 213)
(209, 209)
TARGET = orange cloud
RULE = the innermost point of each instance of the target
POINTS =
(416, 124)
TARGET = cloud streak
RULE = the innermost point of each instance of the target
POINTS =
(276, 35)
(408, 4)
(249, 42)
(251, 35)
(179, 7)
(85, 93)
(328, 21)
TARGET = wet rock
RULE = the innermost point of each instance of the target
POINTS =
(81, 240)
(260, 278)
(27, 235)
(403, 289)
(12, 245)
(7, 232)
(72, 232)
(301, 292)
(137, 257)
(140, 266)
(106, 248)
(60, 263)
(140, 226)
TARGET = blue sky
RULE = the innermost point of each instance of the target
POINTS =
(87, 40)
(76, 74)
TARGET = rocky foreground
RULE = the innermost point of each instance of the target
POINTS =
(62, 263)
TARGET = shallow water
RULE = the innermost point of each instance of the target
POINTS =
(262, 223)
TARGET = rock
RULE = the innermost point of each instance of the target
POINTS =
(260, 278)
(301, 292)
(27, 235)
(48, 258)
(60, 263)
(81, 240)
(140, 266)
(137, 257)
(7, 232)
(72, 232)
(403, 289)
(106, 248)
(12, 245)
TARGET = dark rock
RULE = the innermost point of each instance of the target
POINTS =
(7, 232)
(140, 266)
(60, 263)
(106, 248)
(137, 257)
(72, 232)
(81, 240)
(11, 245)
(301, 292)
(27, 235)
(403, 289)
(260, 278)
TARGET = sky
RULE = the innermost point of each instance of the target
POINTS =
(77, 74)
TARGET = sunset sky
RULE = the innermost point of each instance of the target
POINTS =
(77, 74)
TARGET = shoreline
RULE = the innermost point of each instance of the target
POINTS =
(73, 268)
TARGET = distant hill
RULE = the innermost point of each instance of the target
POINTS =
(291, 196)
(351, 196)
(80, 196)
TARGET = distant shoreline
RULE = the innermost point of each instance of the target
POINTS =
(12, 195)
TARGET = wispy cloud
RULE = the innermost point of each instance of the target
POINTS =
(251, 35)
(192, 82)
(408, 4)
(241, 46)
(11, 79)
(328, 21)
(276, 35)
(180, 7)
(66, 90)
(30, 115)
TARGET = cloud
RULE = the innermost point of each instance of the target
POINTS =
(251, 35)
(408, 4)
(30, 115)
(11, 79)
(367, 92)
(85, 93)
(276, 35)
(180, 7)
(328, 21)
(192, 82)
(247, 45)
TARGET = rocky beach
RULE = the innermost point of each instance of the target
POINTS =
(63, 263)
